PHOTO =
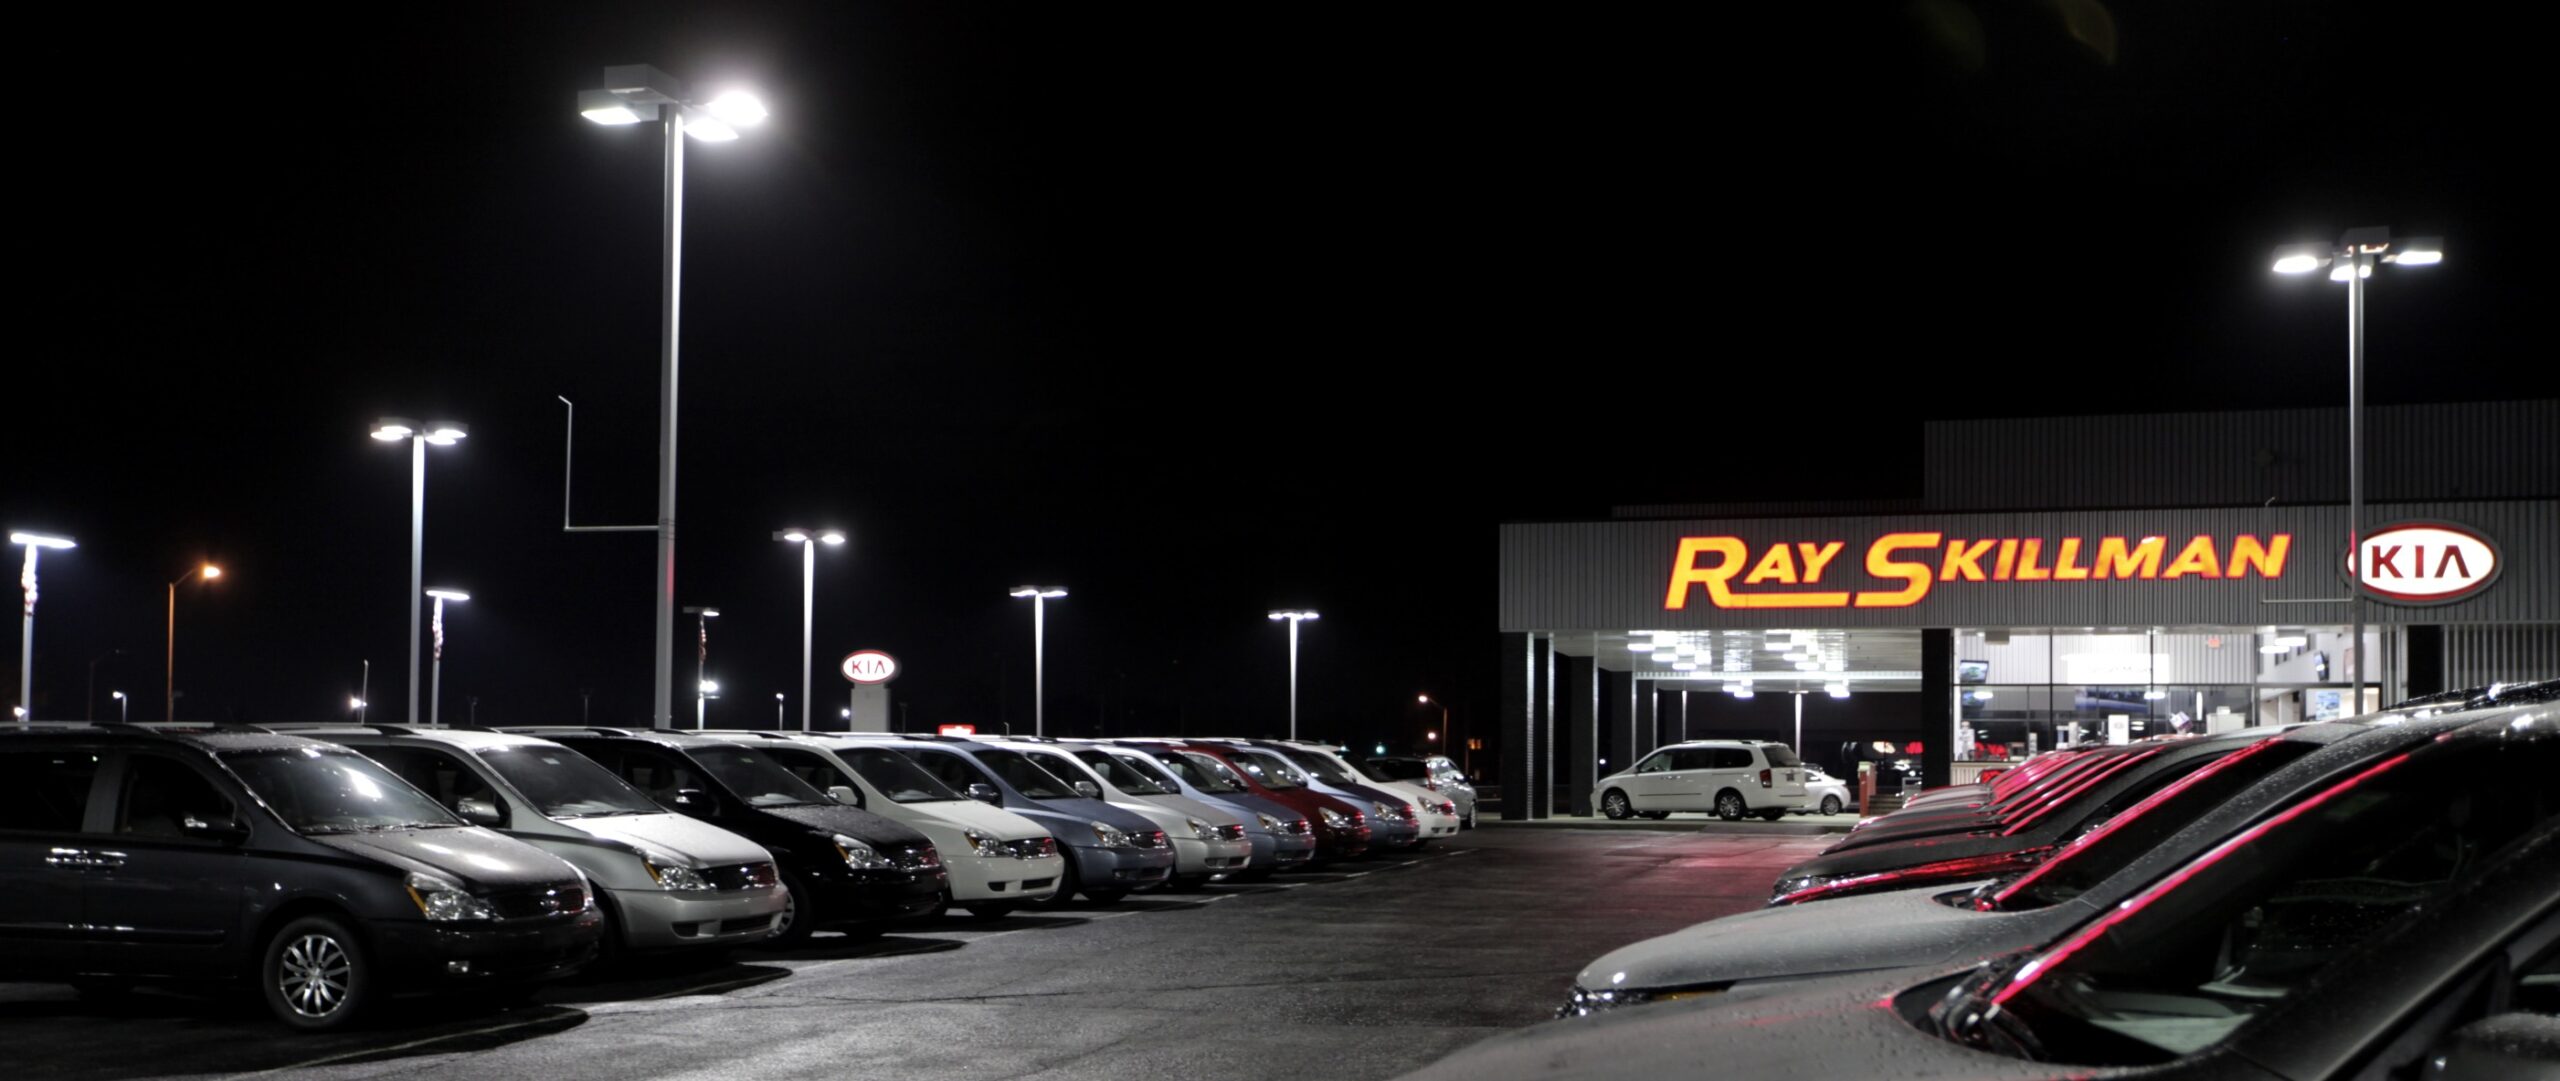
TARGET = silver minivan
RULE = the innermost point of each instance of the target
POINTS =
(663, 880)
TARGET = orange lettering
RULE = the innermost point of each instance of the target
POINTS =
(2008, 559)
(1963, 560)
(1881, 564)
(2028, 550)
(2114, 561)
(2198, 558)
(1778, 565)
(1718, 579)
(1816, 557)
(2066, 566)
(2269, 559)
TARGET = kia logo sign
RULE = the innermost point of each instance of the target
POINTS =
(2425, 563)
(870, 666)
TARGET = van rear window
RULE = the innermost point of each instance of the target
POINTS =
(1781, 755)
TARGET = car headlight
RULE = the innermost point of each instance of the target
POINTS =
(670, 875)
(983, 844)
(1110, 836)
(1393, 814)
(1202, 830)
(1798, 884)
(442, 899)
(1581, 1002)
(862, 857)
(1271, 825)
(1334, 818)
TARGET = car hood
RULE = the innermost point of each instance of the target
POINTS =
(479, 858)
(1203, 810)
(969, 814)
(1814, 1030)
(1074, 818)
(673, 834)
(853, 822)
(1850, 934)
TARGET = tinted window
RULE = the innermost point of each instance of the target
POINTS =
(757, 779)
(317, 791)
(1272, 772)
(1731, 758)
(1139, 767)
(1693, 758)
(1322, 767)
(896, 777)
(45, 790)
(162, 794)
(953, 770)
(1398, 769)
(1205, 773)
(1026, 776)
(435, 773)
(1781, 755)
(814, 769)
(2126, 837)
(565, 784)
(1660, 762)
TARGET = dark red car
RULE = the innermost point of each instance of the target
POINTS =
(1342, 830)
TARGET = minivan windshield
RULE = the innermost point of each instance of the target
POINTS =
(896, 777)
(565, 784)
(1025, 775)
(1155, 771)
(1395, 769)
(1321, 767)
(1205, 773)
(759, 780)
(1123, 776)
(1272, 772)
(329, 791)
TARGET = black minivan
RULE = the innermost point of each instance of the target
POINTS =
(132, 854)
(844, 868)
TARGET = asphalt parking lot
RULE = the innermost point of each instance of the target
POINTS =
(1361, 972)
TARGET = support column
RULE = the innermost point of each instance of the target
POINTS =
(1581, 704)
(1543, 797)
(1617, 721)
(1648, 718)
(1938, 714)
(1516, 726)
(2422, 660)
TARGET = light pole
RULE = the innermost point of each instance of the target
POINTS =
(702, 618)
(633, 93)
(355, 705)
(35, 543)
(2351, 260)
(1040, 598)
(124, 706)
(364, 692)
(435, 702)
(703, 692)
(442, 434)
(169, 670)
(1444, 724)
(1293, 617)
(808, 542)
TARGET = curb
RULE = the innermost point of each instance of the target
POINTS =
(1673, 825)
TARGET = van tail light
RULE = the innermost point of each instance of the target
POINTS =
(1764, 778)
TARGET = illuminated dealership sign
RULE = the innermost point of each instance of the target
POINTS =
(2426, 563)
(1735, 576)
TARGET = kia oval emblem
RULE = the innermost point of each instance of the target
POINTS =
(2425, 563)
(870, 666)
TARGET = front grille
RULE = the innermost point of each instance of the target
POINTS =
(917, 858)
(1031, 848)
(563, 900)
(741, 876)
(1232, 831)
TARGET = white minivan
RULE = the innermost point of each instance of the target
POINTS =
(997, 860)
(1731, 778)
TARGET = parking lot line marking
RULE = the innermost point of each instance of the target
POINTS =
(345, 1056)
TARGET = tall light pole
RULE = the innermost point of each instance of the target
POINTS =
(702, 687)
(808, 542)
(34, 543)
(2351, 260)
(1452, 737)
(442, 434)
(169, 670)
(364, 692)
(1293, 617)
(633, 93)
(124, 706)
(1040, 597)
(435, 702)
(89, 691)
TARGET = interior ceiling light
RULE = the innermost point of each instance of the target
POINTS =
(1683, 666)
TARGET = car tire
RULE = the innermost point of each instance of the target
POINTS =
(1656, 816)
(1468, 822)
(1615, 806)
(794, 925)
(315, 974)
(1772, 814)
(1105, 897)
(1831, 805)
(995, 911)
(1729, 806)
(1068, 877)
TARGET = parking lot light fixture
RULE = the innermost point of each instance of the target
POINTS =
(124, 706)
(1293, 617)
(435, 701)
(169, 667)
(443, 433)
(808, 540)
(1040, 597)
(34, 543)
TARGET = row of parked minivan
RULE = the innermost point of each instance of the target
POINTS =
(2376, 897)
(330, 866)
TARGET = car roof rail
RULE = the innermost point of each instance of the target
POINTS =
(587, 729)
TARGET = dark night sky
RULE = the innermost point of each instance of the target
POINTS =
(1198, 311)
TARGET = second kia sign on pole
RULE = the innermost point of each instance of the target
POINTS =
(869, 670)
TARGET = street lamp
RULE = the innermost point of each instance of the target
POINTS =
(2351, 260)
(1444, 725)
(1293, 617)
(808, 542)
(355, 705)
(702, 618)
(169, 671)
(442, 434)
(703, 691)
(1040, 597)
(35, 543)
(435, 703)
(124, 706)
(633, 93)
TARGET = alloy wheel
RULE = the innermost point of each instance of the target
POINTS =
(313, 975)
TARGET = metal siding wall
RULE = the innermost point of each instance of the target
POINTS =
(2480, 655)
(1611, 576)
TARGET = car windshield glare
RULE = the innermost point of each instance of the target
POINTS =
(1272, 772)
(565, 784)
(759, 780)
(1781, 755)
(1153, 770)
(2126, 837)
(320, 791)
(1205, 773)
(1124, 776)
(1320, 767)
(896, 777)
(1026, 776)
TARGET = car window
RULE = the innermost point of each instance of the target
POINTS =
(46, 790)
(757, 779)
(658, 773)
(1216, 782)
(1781, 755)
(330, 791)
(1025, 775)
(435, 773)
(1403, 769)
(1731, 758)
(565, 784)
(955, 771)
(1147, 768)
(1272, 772)
(1659, 762)
(1320, 767)
(814, 769)
(896, 776)
(161, 795)
(2124, 838)
(1062, 766)
(1692, 758)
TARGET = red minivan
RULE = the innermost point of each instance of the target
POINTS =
(1341, 829)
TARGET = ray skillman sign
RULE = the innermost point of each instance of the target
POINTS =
(1736, 575)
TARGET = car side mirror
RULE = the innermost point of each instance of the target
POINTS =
(693, 801)
(2493, 1048)
(844, 794)
(1088, 790)
(985, 793)
(481, 812)
(229, 831)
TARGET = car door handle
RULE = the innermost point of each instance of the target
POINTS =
(69, 858)
(105, 859)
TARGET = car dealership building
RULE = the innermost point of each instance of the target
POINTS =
(2058, 581)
